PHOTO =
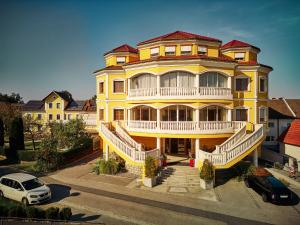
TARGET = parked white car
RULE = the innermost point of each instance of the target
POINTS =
(24, 188)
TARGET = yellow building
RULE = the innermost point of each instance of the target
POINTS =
(60, 106)
(182, 94)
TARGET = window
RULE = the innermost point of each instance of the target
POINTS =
(270, 124)
(239, 56)
(118, 86)
(241, 114)
(58, 116)
(50, 117)
(69, 116)
(121, 59)
(241, 84)
(270, 138)
(101, 114)
(143, 81)
(58, 105)
(101, 87)
(29, 115)
(202, 50)
(186, 50)
(154, 52)
(118, 114)
(39, 127)
(50, 105)
(39, 117)
(262, 84)
(262, 114)
(170, 50)
(212, 79)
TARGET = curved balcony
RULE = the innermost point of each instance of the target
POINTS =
(184, 127)
(180, 93)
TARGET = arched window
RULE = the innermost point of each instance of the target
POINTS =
(144, 113)
(145, 80)
(177, 79)
(212, 79)
(213, 113)
(177, 113)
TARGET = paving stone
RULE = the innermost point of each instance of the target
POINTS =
(178, 189)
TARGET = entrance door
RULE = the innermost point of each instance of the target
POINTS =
(174, 145)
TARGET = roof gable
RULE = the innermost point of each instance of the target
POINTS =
(123, 48)
(65, 95)
(238, 44)
(292, 134)
(279, 110)
(178, 35)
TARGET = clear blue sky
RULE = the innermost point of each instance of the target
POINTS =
(56, 45)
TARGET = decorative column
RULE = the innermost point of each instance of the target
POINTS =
(255, 157)
(197, 119)
(158, 85)
(158, 119)
(229, 115)
(128, 86)
(158, 143)
(230, 82)
(128, 116)
(106, 152)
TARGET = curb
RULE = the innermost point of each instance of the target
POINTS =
(288, 179)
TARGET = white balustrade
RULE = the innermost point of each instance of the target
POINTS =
(142, 92)
(122, 133)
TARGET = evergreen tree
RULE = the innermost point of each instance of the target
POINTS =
(1, 132)
(16, 135)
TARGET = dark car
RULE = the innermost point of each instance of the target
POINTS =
(270, 188)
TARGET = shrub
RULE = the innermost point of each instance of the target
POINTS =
(4, 210)
(207, 171)
(150, 167)
(278, 166)
(16, 135)
(17, 211)
(110, 166)
(1, 133)
(11, 155)
(52, 213)
(27, 155)
(65, 214)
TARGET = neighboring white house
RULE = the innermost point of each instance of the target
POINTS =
(290, 142)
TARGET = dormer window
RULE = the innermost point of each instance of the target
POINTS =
(240, 56)
(154, 52)
(170, 50)
(186, 50)
(202, 50)
(121, 59)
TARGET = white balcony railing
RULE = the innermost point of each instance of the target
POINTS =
(181, 92)
(201, 127)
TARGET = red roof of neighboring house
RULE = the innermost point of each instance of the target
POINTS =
(292, 134)
(178, 35)
(123, 48)
(110, 68)
(237, 44)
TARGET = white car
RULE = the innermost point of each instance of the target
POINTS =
(24, 188)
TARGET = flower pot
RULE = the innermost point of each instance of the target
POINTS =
(192, 162)
(149, 182)
(206, 184)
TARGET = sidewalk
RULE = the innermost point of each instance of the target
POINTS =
(281, 174)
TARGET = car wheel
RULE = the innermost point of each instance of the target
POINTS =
(25, 201)
(247, 183)
(264, 197)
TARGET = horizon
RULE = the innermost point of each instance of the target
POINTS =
(56, 45)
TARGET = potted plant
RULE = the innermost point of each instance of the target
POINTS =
(192, 159)
(207, 175)
(150, 172)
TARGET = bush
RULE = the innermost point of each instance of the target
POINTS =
(16, 135)
(77, 151)
(65, 214)
(52, 213)
(107, 167)
(11, 155)
(1, 132)
(4, 210)
(207, 171)
(17, 211)
(278, 166)
(150, 167)
(34, 212)
(27, 155)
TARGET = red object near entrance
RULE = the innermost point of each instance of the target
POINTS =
(192, 162)
(164, 163)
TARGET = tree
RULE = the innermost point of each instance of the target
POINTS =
(13, 98)
(1, 132)
(16, 135)
(31, 126)
(9, 111)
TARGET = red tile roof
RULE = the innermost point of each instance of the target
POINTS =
(292, 134)
(253, 63)
(186, 57)
(123, 48)
(237, 44)
(178, 35)
(110, 68)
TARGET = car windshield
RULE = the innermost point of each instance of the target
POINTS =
(276, 183)
(32, 184)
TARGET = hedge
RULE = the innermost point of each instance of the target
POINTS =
(27, 155)
(73, 153)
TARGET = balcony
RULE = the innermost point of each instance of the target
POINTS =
(180, 93)
(184, 127)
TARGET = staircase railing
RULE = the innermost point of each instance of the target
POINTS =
(232, 140)
(120, 131)
(228, 155)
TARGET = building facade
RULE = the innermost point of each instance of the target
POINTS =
(182, 94)
(60, 106)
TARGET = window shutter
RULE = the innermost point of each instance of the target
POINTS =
(154, 51)
(186, 48)
(239, 55)
(202, 49)
(170, 49)
(121, 59)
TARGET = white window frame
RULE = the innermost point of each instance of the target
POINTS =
(169, 52)
(58, 105)
(121, 61)
(241, 77)
(202, 47)
(113, 83)
(50, 103)
(265, 112)
(154, 51)
(241, 107)
(266, 84)
(185, 52)
(49, 116)
(239, 58)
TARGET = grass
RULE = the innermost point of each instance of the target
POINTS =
(26, 166)
(28, 145)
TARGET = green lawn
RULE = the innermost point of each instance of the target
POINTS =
(28, 145)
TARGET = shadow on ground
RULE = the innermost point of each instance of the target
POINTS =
(80, 217)
(60, 192)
